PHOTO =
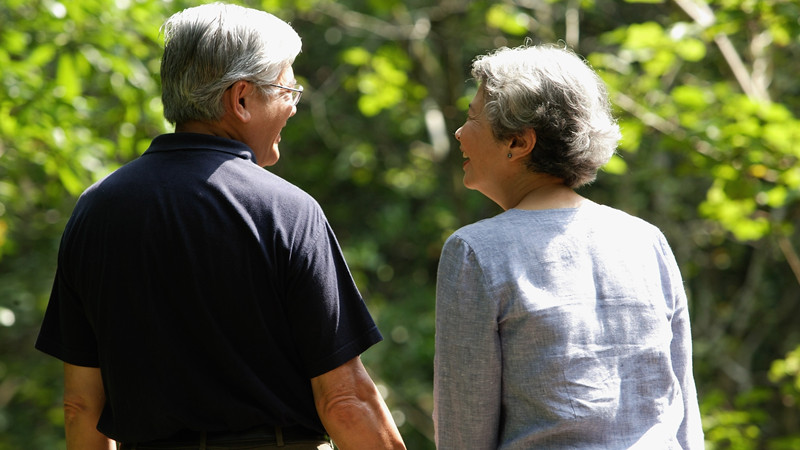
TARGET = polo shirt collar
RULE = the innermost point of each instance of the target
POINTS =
(172, 142)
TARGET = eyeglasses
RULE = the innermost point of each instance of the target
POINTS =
(296, 92)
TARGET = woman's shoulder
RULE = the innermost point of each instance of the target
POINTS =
(514, 226)
(500, 232)
(612, 218)
(480, 231)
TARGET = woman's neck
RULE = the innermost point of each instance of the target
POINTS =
(543, 192)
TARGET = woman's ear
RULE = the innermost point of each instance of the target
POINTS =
(236, 98)
(523, 144)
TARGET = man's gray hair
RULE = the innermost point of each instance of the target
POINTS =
(208, 48)
(555, 92)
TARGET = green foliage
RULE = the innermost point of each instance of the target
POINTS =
(786, 374)
(750, 421)
(381, 80)
(749, 145)
(79, 97)
(711, 160)
(508, 19)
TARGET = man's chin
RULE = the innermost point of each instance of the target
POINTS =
(272, 158)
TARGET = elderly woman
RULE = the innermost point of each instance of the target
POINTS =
(560, 323)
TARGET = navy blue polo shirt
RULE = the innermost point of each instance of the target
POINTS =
(208, 291)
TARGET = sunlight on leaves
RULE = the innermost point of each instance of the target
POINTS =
(616, 165)
(508, 19)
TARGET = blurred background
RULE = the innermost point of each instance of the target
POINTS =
(707, 95)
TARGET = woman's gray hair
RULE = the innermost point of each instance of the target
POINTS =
(553, 91)
(208, 48)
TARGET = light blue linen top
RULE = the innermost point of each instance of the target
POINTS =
(563, 328)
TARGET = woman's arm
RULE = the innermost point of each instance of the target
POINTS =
(690, 434)
(467, 364)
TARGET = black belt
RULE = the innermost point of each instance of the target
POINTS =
(263, 435)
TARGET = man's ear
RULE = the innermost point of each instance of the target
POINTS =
(236, 100)
(523, 144)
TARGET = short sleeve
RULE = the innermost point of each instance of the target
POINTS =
(328, 317)
(65, 332)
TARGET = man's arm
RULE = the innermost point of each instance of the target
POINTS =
(353, 411)
(84, 398)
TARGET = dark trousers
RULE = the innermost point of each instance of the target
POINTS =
(253, 439)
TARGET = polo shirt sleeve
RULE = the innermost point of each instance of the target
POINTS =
(329, 321)
(66, 332)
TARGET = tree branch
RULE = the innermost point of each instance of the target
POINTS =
(359, 21)
(702, 14)
(648, 117)
(749, 86)
(790, 254)
(573, 23)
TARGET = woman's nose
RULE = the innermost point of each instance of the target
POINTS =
(457, 134)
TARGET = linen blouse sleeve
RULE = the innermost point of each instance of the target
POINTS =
(467, 363)
(690, 434)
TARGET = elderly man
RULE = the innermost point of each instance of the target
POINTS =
(201, 301)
